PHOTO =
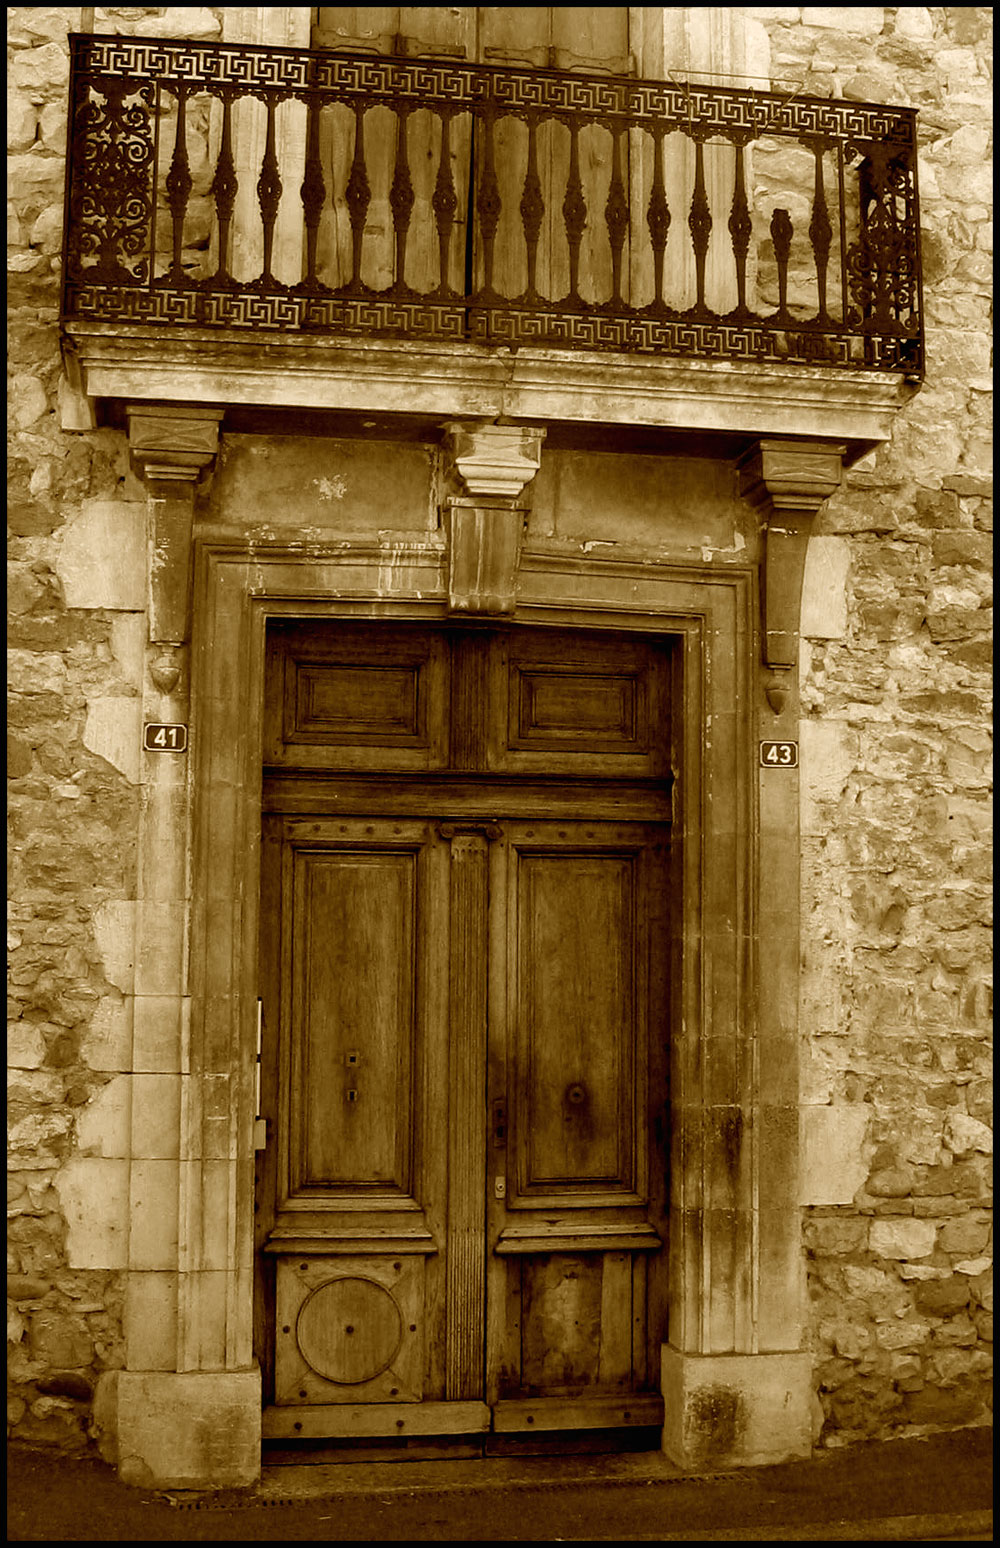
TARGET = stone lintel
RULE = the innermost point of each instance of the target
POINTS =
(171, 447)
(788, 481)
(464, 382)
(736, 1410)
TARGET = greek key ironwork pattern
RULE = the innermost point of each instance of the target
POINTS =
(512, 245)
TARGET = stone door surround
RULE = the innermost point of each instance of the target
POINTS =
(736, 1382)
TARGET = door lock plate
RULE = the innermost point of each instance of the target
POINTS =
(500, 1187)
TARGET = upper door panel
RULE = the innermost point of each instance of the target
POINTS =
(357, 699)
(408, 700)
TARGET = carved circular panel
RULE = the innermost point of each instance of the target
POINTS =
(349, 1330)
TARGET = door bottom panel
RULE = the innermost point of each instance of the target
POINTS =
(630, 1410)
(328, 1421)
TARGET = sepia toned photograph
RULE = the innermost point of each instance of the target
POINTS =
(500, 773)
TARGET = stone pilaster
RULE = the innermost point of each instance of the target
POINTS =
(736, 1382)
(485, 526)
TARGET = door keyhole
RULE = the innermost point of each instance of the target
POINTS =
(499, 1125)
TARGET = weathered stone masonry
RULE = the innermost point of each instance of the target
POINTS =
(895, 742)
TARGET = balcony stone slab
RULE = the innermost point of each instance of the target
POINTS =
(432, 382)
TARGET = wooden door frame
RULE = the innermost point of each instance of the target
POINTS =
(735, 1255)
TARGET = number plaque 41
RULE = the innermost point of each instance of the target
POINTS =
(779, 755)
(158, 736)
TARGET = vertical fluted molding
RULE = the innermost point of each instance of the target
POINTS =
(466, 1148)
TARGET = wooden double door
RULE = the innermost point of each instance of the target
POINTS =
(465, 904)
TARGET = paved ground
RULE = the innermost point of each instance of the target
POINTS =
(936, 1489)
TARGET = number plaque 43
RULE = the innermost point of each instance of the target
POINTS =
(779, 755)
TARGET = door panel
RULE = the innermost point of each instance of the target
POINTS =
(574, 1118)
(353, 1026)
(352, 1193)
(334, 702)
(577, 1211)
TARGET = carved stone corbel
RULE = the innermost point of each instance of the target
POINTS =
(788, 480)
(485, 526)
(170, 449)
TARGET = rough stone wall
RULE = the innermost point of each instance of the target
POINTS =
(896, 744)
(76, 631)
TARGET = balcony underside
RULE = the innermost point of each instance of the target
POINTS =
(281, 381)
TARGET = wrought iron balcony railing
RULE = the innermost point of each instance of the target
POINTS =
(238, 187)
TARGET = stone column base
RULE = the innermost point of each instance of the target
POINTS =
(738, 1410)
(189, 1430)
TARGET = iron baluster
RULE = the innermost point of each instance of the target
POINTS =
(532, 209)
(740, 229)
(224, 188)
(820, 232)
(313, 195)
(616, 216)
(574, 209)
(488, 202)
(401, 198)
(444, 203)
(269, 190)
(658, 217)
(179, 183)
(781, 237)
(358, 197)
(842, 213)
(700, 225)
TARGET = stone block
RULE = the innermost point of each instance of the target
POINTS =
(206, 1296)
(25, 1046)
(835, 1235)
(107, 1042)
(159, 1032)
(828, 754)
(190, 1430)
(128, 646)
(161, 953)
(104, 1417)
(163, 867)
(114, 732)
(963, 1134)
(93, 1193)
(834, 1159)
(864, 21)
(59, 1340)
(151, 1322)
(102, 561)
(901, 1238)
(914, 21)
(965, 1234)
(824, 588)
(156, 1103)
(114, 931)
(28, 400)
(154, 1206)
(736, 1410)
(40, 69)
(104, 1126)
(902, 1334)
